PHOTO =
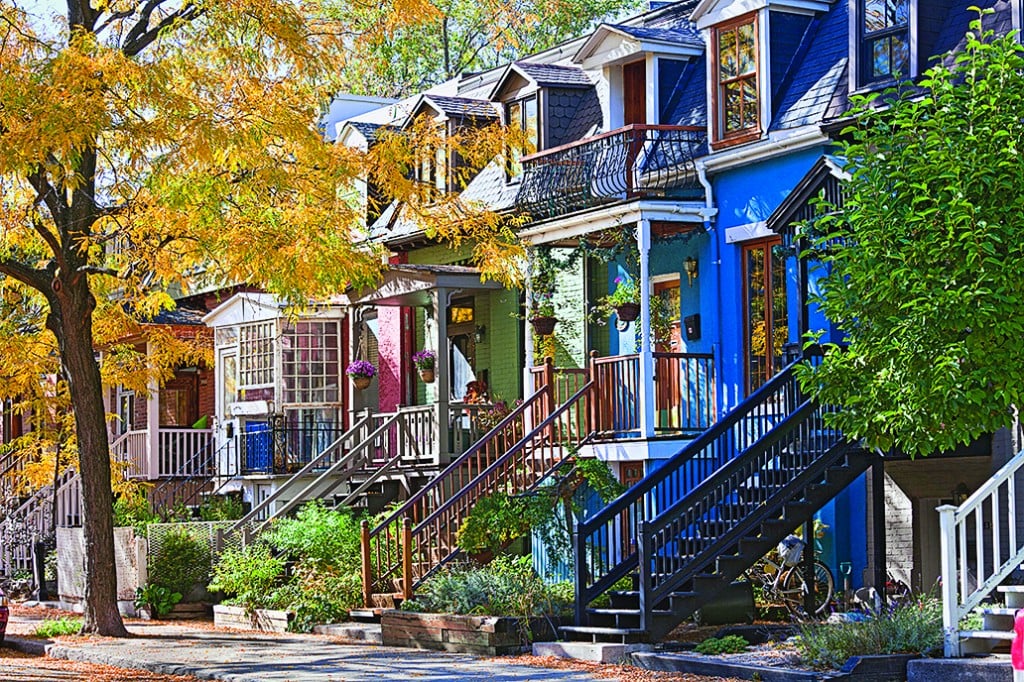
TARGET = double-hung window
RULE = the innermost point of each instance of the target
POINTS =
(884, 40)
(737, 101)
(521, 116)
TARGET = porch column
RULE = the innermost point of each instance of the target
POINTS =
(643, 240)
(528, 361)
(444, 372)
(152, 427)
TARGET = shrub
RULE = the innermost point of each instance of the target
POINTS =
(180, 562)
(248, 575)
(326, 536)
(497, 519)
(730, 644)
(160, 600)
(221, 508)
(507, 586)
(911, 628)
(318, 594)
(58, 627)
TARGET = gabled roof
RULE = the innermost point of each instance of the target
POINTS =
(614, 42)
(541, 76)
(411, 285)
(710, 12)
(454, 107)
(826, 173)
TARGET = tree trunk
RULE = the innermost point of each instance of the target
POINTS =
(72, 324)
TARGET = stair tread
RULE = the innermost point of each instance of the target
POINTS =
(987, 634)
(1000, 610)
(593, 630)
(1017, 589)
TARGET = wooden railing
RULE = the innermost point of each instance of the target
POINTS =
(178, 447)
(615, 410)
(980, 547)
(382, 560)
(130, 447)
(684, 392)
(564, 383)
(631, 162)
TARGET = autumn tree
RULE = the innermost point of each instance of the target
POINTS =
(925, 259)
(147, 145)
(457, 36)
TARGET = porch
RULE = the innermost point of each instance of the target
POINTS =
(165, 452)
(680, 400)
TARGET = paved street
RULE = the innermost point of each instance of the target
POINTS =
(16, 666)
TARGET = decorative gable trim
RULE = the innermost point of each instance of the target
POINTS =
(711, 12)
(826, 174)
(612, 45)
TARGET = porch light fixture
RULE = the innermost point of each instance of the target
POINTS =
(690, 267)
(480, 333)
(960, 494)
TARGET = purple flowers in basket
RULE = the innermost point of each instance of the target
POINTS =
(424, 359)
(361, 368)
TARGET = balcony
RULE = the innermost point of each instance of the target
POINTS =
(634, 162)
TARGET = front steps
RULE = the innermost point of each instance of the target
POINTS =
(997, 624)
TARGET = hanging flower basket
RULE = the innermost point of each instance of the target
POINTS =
(361, 382)
(427, 376)
(424, 361)
(361, 373)
(543, 325)
(627, 312)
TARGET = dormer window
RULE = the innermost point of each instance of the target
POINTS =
(736, 102)
(521, 115)
(884, 40)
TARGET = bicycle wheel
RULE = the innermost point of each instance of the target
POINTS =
(793, 587)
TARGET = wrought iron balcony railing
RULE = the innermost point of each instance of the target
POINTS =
(637, 161)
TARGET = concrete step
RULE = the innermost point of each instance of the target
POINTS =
(599, 634)
(361, 633)
(1014, 595)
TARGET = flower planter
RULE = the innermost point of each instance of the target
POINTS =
(427, 376)
(361, 382)
(484, 635)
(265, 620)
(543, 325)
(627, 312)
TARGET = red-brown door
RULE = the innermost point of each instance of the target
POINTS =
(634, 93)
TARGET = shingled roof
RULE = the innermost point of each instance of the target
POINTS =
(462, 107)
(553, 75)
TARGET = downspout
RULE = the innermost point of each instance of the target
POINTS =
(708, 214)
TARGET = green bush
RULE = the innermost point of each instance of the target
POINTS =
(324, 535)
(249, 576)
(730, 644)
(497, 519)
(911, 628)
(318, 594)
(158, 599)
(134, 511)
(221, 508)
(58, 627)
(180, 562)
(507, 586)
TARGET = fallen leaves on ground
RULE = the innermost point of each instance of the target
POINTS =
(18, 665)
(623, 673)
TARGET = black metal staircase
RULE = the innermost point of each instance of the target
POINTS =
(688, 530)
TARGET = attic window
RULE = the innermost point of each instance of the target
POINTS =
(521, 115)
(737, 104)
(884, 40)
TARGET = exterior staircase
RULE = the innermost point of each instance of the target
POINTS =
(526, 449)
(33, 520)
(686, 531)
(981, 546)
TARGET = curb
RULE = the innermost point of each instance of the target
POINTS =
(35, 647)
(82, 656)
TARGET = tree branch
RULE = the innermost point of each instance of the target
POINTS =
(136, 43)
(32, 277)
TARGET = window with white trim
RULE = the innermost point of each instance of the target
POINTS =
(256, 355)
(735, 65)
(310, 362)
(884, 52)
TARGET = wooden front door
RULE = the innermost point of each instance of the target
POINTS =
(766, 323)
(634, 93)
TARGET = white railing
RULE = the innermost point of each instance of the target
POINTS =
(69, 500)
(980, 547)
(130, 447)
(178, 449)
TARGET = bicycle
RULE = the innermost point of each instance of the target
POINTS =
(785, 581)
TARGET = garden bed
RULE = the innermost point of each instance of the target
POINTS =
(264, 620)
(484, 635)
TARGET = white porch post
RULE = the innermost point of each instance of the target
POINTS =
(950, 580)
(643, 240)
(152, 428)
(528, 361)
(444, 371)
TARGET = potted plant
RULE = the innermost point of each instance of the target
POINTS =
(625, 299)
(542, 315)
(424, 361)
(361, 372)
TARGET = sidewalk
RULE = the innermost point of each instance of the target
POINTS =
(239, 656)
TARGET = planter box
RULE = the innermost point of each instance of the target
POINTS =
(264, 620)
(484, 635)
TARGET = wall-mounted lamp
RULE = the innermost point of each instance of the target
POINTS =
(690, 266)
(960, 494)
(480, 333)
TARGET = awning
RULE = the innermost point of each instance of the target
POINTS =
(411, 285)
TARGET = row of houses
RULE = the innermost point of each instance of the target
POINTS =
(672, 151)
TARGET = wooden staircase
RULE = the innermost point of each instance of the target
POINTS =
(526, 449)
(685, 532)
